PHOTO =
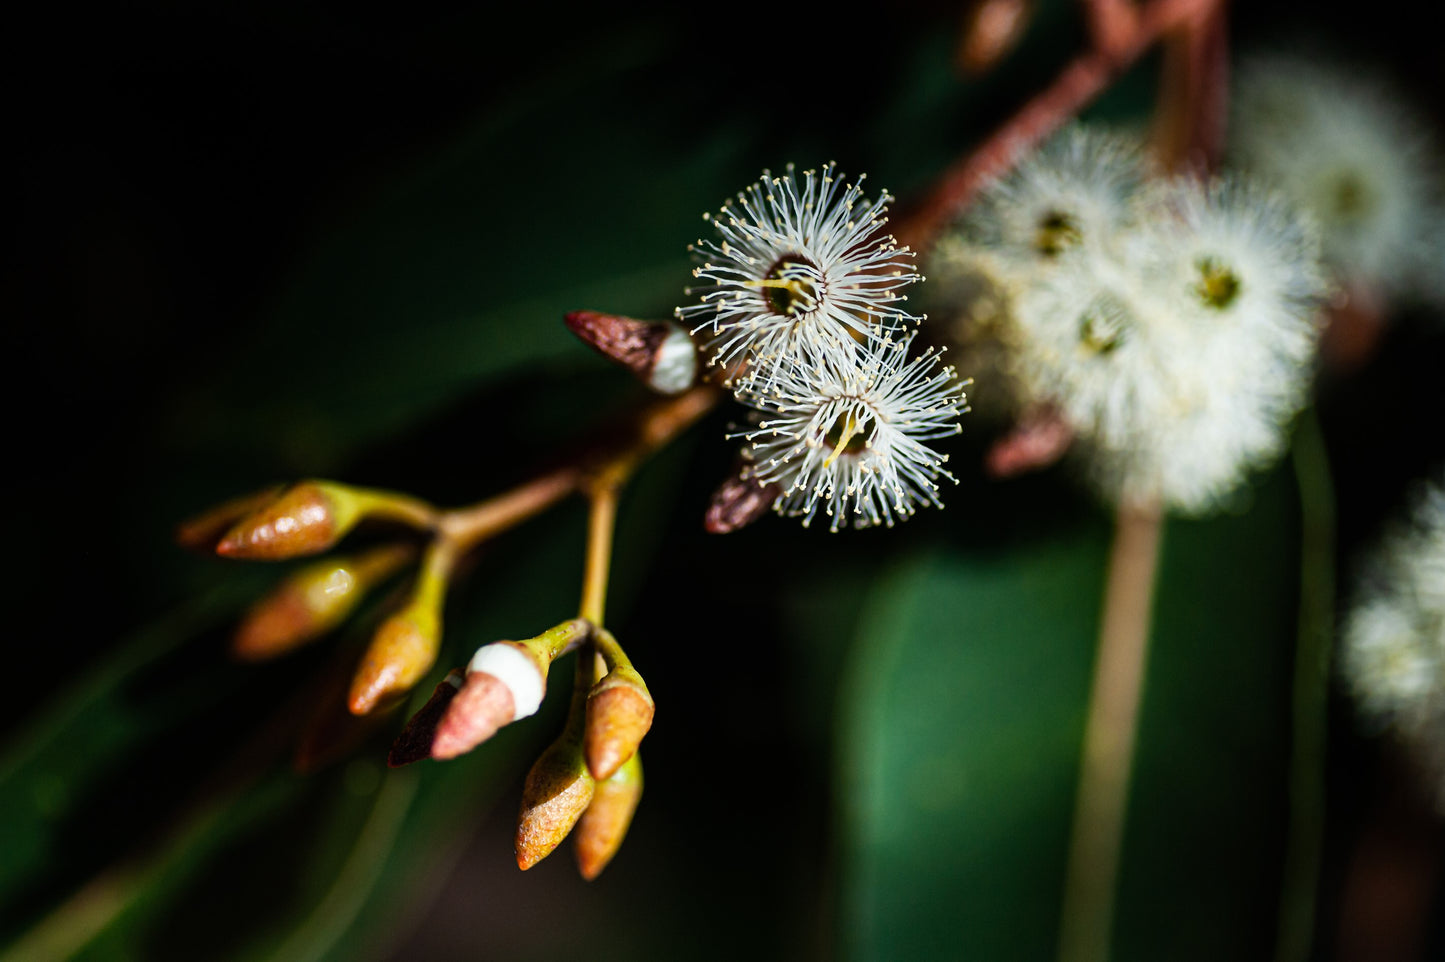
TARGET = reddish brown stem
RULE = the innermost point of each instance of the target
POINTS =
(1079, 83)
(1194, 94)
(1112, 24)
(651, 428)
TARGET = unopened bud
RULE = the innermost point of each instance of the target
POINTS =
(401, 652)
(1039, 440)
(405, 646)
(309, 518)
(415, 741)
(313, 601)
(619, 715)
(661, 354)
(202, 532)
(505, 682)
(739, 502)
(604, 825)
(558, 790)
(990, 32)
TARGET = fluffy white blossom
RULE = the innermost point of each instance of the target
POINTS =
(1172, 324)
(1344, 148)
(1393, 653)
(844, 430)
(1075, 192)
(801, 260)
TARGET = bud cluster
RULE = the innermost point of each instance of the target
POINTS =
(591, 773)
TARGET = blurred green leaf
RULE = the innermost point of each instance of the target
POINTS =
(962, 721)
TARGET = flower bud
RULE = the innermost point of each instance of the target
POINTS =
(200, 533)
(505, 682)
(604, 825)
(405, 646)
(1039, 440)
(990, 32)
(309, 518)
(739, 502)
(619, 714)
(313, 601)
(558, 790)
(660, 353)
(401, 652)
(415, 741)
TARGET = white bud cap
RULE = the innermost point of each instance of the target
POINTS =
(675, 369)
(513, 668)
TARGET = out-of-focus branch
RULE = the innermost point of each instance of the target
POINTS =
(1079, 83)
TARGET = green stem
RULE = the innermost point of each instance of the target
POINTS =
(1311, 693)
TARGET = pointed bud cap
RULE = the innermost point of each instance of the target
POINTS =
(739, 502)
(661, 354)
(309, 518)
(202, 532)
(402, 651)
(415, 741)
(619, 715)
(558, 790)
(312, 602)
(604, 825)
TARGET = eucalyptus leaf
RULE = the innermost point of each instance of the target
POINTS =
(962, 722)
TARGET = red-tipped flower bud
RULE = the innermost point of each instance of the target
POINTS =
(506, 681)
(604, 825)
(313, 601)
(415, 741)
(619, 715)
(309, 518)
(738, 502)
(660, 353)
(558, 790)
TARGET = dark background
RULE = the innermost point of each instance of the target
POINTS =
(175, 169)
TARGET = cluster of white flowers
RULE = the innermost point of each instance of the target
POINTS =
(801, 304)
(1394, 637)
(1344, 148)
(1171, 323)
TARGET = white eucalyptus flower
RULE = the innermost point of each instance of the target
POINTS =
(844, 430)
(1344, 148)
(1073, 192)
(801, 261)
(1393, 639)
(1178, 347)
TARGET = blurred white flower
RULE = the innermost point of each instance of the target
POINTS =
(1075, 192)
(844, 431)
(801, 262)
(1393, 654)
(1178, 347)
(1344, 148)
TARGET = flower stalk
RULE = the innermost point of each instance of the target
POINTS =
(1110, 733)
